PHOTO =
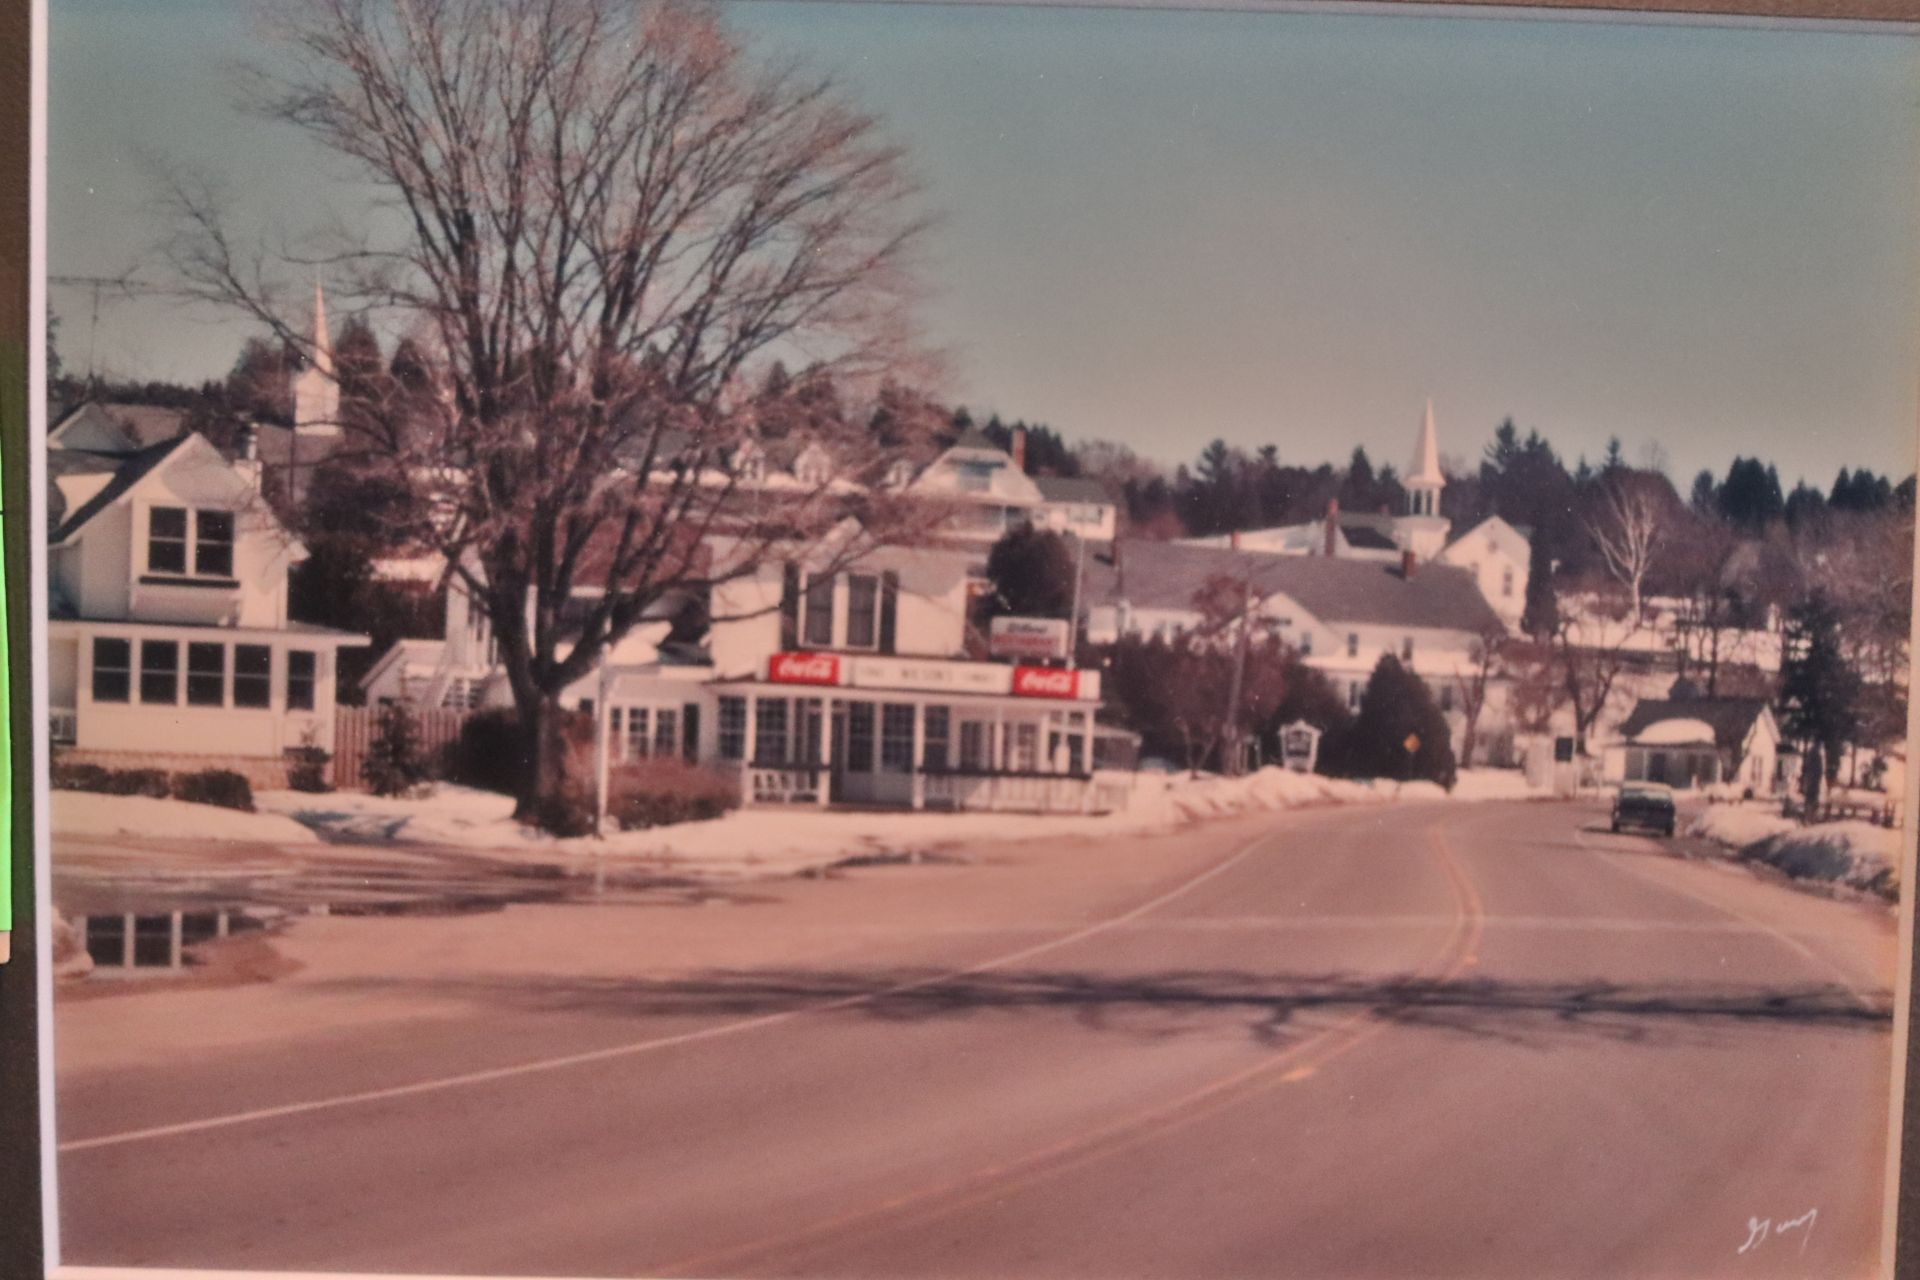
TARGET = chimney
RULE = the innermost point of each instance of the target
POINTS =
(1406, 563)
(1020, 450)
(1233, 539)
(248, 463)
(1333, 526)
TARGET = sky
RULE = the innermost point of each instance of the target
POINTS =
(1162, 226)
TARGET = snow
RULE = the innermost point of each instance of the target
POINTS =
(89, 813)
(1861, 855)
(769, 841)
(1679, 731)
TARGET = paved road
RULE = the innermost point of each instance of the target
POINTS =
(1485, 1040)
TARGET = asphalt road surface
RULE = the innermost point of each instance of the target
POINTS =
(1475, 1040)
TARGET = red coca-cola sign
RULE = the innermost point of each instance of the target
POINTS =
(1045, 682)
(803, 668)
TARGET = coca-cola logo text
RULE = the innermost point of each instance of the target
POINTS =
(1045, 682)
(804, 668)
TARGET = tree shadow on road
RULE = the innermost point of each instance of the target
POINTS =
(1270, 1008)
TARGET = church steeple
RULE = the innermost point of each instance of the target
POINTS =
(1424, 478)
(316, 392)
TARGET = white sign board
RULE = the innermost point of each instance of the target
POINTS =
(1028, 638)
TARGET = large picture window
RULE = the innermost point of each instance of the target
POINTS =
(160, 671)
(112, 669)
(252, 675)
(302, 669)
(206, 674)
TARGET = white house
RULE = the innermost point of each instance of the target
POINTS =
(1493, 551)
(1341, 614)
(169, 643)
(1686, 741)
(990, 486)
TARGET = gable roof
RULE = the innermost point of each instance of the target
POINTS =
(1165, 575)
(1072, 489)
(127, 470)
(1731, 719)
(110, 427)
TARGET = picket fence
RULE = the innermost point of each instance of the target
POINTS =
(354, 729)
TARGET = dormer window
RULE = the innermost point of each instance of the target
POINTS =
(178, 538)
(975, 477)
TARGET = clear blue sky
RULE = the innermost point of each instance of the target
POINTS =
(1166, 226)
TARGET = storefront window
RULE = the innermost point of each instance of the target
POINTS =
(860, 737)
(896, 737)
(770, 731)
(733, 728)
(938, 729)
(975, 749)
(1024, 747)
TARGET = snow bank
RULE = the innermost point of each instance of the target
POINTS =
(764, 841)
(1858, 854)
(89, 813)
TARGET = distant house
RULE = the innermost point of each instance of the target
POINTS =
(1497, 555)
(994, 493)
(1687, 741)
(169, 643)
(1340, 614)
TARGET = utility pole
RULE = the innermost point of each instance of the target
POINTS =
(1236, 757)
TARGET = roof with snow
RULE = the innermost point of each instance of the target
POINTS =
(1071, 489)
(1165, 575)
(126, 471)
(1730, 720)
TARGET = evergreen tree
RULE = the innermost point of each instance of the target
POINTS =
(1031, 572)
(1542, 615)
(1397, 710)
(396, 762)
(1819, 691)
(1705, 499)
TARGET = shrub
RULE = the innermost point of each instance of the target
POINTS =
(137, 782)
(307, 769)
(395, 763)
(78, 777)
(222, 787)
(660, 792)
(488, 753)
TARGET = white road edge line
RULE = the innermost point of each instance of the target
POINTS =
(539, 1065)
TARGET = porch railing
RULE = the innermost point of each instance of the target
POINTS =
(778, 782)
(1018, 792)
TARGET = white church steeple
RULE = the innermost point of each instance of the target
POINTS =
(1424, 479)
(316, 393)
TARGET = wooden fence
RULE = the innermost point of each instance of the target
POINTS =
(354, 729)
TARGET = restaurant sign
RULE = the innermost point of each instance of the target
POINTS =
(1028, 638)
(931, 675)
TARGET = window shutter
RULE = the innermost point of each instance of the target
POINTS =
(690, 731)
(889, 610)
(790, 606)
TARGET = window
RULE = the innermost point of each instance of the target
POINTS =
(666, 732)
(1406, 649)
(159, 671)
(1353, 644)
(936, 738)
(974, 750)
(860, 737)
(206, 674)
(167, 540)
(1306, 643)
(252, 675)
(818, 630)
(1506, 582)
(302, 667)
(975, 477)
(770, 731)
(863, 609)
(1025, 747)
(213, 543)
(896, 737)
(1446, 697)
(1353, 695)
(112, 669)
(733, 728)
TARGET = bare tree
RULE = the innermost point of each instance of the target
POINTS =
(1592, 648)
(1487, 665)
(592, 217)
(1629, 528)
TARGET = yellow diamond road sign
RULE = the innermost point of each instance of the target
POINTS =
(1412, 744)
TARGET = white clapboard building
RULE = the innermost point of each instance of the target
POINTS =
(169, 643)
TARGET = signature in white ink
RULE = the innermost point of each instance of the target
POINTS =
(1760, 1230)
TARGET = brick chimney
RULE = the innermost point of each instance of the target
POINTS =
(1020, 450)
(1406, 563)
(1333, 527)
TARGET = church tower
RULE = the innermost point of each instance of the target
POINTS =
(316, 395)
(1422, 531)
(1424, 480)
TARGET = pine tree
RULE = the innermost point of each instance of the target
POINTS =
(1542, 615)
(396, 762)
(1397, 710)
(1819, 691)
